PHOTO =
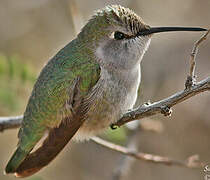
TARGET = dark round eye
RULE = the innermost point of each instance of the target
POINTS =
(118, 35)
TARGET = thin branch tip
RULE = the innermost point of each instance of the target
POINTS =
(190, 162)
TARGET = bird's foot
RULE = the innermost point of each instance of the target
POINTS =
(166, 111)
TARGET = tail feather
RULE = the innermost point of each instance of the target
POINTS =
(53, 144)
(26, 143)
(16, 160)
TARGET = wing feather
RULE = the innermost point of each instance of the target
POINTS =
(57, 102)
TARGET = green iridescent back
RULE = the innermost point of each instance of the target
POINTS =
(53, 88)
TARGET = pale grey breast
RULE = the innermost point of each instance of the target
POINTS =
(117, 94)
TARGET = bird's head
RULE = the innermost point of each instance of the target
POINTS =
(119, 37)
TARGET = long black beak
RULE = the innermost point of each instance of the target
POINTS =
(152, 30)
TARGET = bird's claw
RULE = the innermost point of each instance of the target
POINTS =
(166, 111)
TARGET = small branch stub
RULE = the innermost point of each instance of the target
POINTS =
(191, 78)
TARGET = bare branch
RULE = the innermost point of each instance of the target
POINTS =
(191, 77)
(76, 16)
(163, 106)
(191, 162)
(194, 53)
(160, 106)
(10, 122)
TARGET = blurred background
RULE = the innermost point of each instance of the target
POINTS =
(33, 31)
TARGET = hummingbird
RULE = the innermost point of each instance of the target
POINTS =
(85, 87)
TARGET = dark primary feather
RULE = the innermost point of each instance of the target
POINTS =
(53, 144)
(58, 137)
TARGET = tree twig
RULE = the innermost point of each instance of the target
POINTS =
(10, 122)
(191, 77)
(76, 16)
(191, 162)
(163, 106)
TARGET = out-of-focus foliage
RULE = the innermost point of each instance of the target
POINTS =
(15, 77)
(117, 136)
(14, 69)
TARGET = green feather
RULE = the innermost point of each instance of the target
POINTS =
(50, 94)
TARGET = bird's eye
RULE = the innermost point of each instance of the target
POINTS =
(119, 36)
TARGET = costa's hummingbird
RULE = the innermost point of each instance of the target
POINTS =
(85, 87)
